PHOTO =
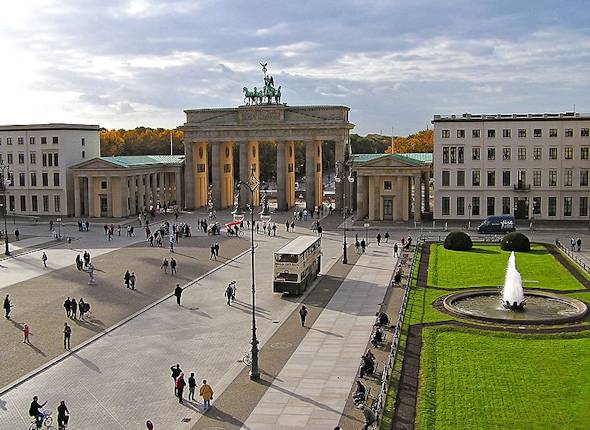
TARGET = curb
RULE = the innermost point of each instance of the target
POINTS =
(4, 390)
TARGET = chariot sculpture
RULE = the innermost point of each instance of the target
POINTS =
(269, 94)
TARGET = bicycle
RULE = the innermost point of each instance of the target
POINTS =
(45, 423)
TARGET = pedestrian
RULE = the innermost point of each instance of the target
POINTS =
(357, 246)
(234, 289)
(78, 262)
(82, 308)
(106, 229)
(378, 239)
(176, 371)
(26, 333)
(287, 226)
(178, 293)
(274, 229)
(172, 266)
(7, 307)
(67, 306)
(395, 250)
(363, 246)
(386, 237)
(50, 225)
(206, 392)
(320, 231)
(228, 293)
(303, 315)
(16, 234)
(180, 384)
(44, 259)
(370, 417)
(257, 228)
(132, 280)
(216, 249)
(63, 415)
(73, 308)
(579, 243)
(164, 266)
(67, 335)
(212, 255)
(119, 230)
(171, 242)
(127, 278)
(192, 384)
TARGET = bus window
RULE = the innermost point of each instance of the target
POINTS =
(290, 277)
(286, 258)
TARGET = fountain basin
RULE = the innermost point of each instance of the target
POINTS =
(540, 307)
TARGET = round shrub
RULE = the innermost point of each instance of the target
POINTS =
(458, 241)
(515, 242)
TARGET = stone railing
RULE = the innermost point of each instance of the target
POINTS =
(573, 256)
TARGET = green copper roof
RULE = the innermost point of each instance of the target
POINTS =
(410, 157)
(144, 160)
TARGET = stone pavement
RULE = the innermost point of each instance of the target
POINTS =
(123, 378)
(312, 388)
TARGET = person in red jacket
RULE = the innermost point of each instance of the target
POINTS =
(180, 383)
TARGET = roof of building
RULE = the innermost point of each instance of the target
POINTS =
(410, 157)
(512, 117)
(144, 160)
(50, 126)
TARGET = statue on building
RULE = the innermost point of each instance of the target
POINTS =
(268, 93)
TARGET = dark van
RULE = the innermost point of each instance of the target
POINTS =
(497, 224)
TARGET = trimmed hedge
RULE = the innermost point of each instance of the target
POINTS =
(515, 242)
(458, 241)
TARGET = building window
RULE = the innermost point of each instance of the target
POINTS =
(569, 132)
(461, 154)
(200, 167)
(491, 133)
(585, 132)
(83, 141)
(475, 178)
(103, 185)
(460, 178)
(21, 179)
(45, 203)
(227, 168)
(522, 132)
(56, 159)
(537, 132)
(584, 153)
(460, 134)
(536, 205)
(475, 154)
(44, 179)
(505, 205)
(21, 158)
(31, 140)
(9, 158)
(583, 178)
(44, 159)
(506, 178)
(33, 158)
(56, 179)
(33, 179)
(475, 133)
(553, 153)
(56, 204)
(453, 155)
(445, 158)
(506, 154)
(460, 205)
(387, 185)
(522, 153)
(43, 141)
(55, 139)
(506, 133)
(568, 153)
(23, 203)
(491, 178)
(446, 134)
(552, 206)
(537, 153)
(34, 205)
(475, 206)
(83, 154)
(584, 206)
(9, 140)
(11, 203)
(491, 153)
(446, 207)
(20, 140)
(50, 159)
(552, 132)
(568, 175)
(537, 178)
(553, 178)
(445, 178)
(491, 205)
(567, 206)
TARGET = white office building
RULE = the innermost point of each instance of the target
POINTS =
(38, 156)
(532, 166)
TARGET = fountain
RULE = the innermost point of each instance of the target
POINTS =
(512, 293)
(514, 305)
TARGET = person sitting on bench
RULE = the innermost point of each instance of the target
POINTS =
(360, 395)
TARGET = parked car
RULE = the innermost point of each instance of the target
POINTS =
(497, 224)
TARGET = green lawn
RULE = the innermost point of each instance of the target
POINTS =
(471, 379)
(485, 265)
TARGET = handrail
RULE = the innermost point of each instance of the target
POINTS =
(571, 254)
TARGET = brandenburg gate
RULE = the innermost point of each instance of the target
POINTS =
(262, 119)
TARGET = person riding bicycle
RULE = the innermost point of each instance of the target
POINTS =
(63, 415)
(35, 411)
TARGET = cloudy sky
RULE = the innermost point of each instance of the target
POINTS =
(396, 63)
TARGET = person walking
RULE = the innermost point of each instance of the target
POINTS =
(132, 280)
(26, 333)
(363, 246)
(78, 262)
(63, 415)
(206, 392)
(212, 255)
(303, 315)
(395, 250)
(228, 293)
(172, 267)
(216, 249)
(44, 259)
(164, 266)
(287, 226)
(386, 237)
(180, 384)
(73, 308)
(127, 278)
(82, 308)
(176, 371)
(378, 239)
(7, 307)
(67, 336)
(178, 293)
(579, 244)
(16, 234)
(67, 305)
(192, 385)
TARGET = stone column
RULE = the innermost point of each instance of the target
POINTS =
(319, 179)
(85, 195)
(109, 197)
(291, 166)
(362, 197)
(91, 198)
(154, 183)
(178, 189)
(417, 197)
(426, 192)
(146, 190)
(161, 195)
(77, 209)
(132, 191)
(310, 175)
(282, 176)
(189, 176)
(244, 173)
(124, 195)
(339, 157)
(399, 198)
(140, 193)
(216, 174)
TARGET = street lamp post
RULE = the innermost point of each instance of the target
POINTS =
(252, 186)
(341, 172)
(4, 182)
